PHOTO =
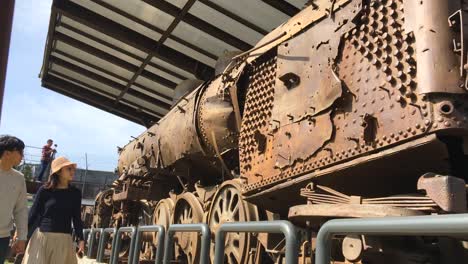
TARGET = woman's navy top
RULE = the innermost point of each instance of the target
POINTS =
(54, 210)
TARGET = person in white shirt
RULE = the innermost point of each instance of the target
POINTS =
(13, 201)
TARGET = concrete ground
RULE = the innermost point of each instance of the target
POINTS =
(85, 260)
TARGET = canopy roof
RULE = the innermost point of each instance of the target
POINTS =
(127, 56)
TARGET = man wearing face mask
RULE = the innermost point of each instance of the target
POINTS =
(13, 201)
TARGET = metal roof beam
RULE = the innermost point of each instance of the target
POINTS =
(154, 28)
(113, 60)
(88, 87)
(147, 74)
(233, 16)
(283, 6)
(108, 82)
(159, 44)
(86, 63)
(200, 24)
(132, 38)
(124, 52)
(76, 92)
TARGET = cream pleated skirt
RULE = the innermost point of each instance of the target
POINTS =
(50, 248)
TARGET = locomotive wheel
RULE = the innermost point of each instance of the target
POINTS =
(103, 209)
(229, 206)
(162, 216)
(188, 210)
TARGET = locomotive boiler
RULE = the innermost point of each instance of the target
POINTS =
(352, 108)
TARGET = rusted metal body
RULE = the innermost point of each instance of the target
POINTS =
(351, 109)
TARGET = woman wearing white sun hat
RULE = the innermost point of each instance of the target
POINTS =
(56, 205)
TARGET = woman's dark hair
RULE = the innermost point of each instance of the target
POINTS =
(10, 143)
(53, 181)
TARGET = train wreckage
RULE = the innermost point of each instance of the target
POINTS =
(351, 108)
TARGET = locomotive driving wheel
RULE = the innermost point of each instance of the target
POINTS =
(188, 210)
(229, 206)
(162, 216)
(146, 218)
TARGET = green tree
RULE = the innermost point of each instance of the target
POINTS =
(27, 171)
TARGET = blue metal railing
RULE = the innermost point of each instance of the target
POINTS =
(285, 227)
(118, 241)
(199, 228)
(437, 225)
(103, 239)
(159, 250)
(92, 239)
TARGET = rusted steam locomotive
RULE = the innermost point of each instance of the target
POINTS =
(352, 108)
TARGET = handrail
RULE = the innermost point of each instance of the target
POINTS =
(289, 230)
(199, 228)
(118, 240)
(92, 239)
(434, 225)
(103, 240)
(159, 251)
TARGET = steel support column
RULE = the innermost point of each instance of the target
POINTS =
(6, 22)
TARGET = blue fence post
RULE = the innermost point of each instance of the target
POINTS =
(290, 232)
(86, 236)
(92, 239)
(118, 240)
(199, 228)
(159, 251)
(102, 242)
(433, 225)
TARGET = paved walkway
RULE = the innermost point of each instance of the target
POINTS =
(85, 260)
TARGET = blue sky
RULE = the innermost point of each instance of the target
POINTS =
(35, 114)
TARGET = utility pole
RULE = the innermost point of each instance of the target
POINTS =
(85, 174)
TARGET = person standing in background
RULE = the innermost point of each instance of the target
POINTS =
(46, 158)
(13, 200)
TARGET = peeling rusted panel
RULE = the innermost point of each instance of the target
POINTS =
(379, 106)
(309, 15)
(289, 141)
(438, 63)
(305, 87)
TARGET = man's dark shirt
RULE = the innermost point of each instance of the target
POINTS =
(46, 153)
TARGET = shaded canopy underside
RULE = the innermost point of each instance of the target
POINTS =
(126, 57)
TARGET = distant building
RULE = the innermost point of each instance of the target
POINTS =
(90, 182)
